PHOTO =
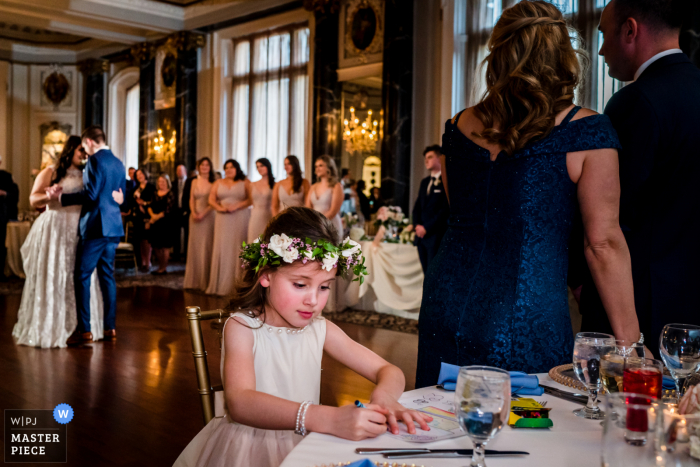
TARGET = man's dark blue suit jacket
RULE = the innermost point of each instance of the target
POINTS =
(657, 119)
(100, 216)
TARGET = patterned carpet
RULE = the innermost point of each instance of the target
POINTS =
(374, 320)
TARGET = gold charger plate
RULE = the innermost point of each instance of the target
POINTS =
(564, 374)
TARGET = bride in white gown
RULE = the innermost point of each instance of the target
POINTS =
(47, 314)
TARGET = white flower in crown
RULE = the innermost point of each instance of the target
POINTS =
(329, 261)
(257, 240)
(290, 255)
(350, 251)
(279, 244)
(308, 254)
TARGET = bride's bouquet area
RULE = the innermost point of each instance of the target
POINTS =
(393, 221)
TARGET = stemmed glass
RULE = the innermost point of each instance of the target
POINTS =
(589, 348)
(612, 364)
(680, 350)
(482, 405)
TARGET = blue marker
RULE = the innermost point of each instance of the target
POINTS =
(360, 405)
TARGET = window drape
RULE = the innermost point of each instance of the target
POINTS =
(270, 98)
(131, 153)
(482, 15)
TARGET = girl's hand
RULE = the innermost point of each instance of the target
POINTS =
(398, 413)
(356, 424)
(118, 196)
(231, 209)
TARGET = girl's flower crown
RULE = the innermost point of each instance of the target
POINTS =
(347, 256)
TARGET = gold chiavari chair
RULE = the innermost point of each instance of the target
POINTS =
(212, 398)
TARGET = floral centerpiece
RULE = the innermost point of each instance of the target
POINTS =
(393, 220)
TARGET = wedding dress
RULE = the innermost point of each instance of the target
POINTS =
(47, 314)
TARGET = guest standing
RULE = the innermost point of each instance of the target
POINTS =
(657, 119)
(199, 250)
(162, 223)
(140, 199)
(292, 190)
(513, 167)
(262, 200)
(181, 214)
(431, 210)
(230, 197)
(363, 200)
(326, 195)
(9, 197)
(375, 200)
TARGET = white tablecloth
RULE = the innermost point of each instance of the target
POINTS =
(16, 234)
(571, 442)
(394, 284)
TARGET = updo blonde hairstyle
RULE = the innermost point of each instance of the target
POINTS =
(532, 71)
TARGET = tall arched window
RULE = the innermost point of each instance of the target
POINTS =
(123, 128)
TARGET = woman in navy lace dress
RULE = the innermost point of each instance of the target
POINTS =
(514, 167)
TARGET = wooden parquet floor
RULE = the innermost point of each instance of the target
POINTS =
(136, 400)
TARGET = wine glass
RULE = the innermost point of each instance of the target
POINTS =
(482, 405)
(612, 365)
(680, 350)
(589, 348)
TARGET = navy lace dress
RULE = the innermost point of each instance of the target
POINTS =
(496, 292)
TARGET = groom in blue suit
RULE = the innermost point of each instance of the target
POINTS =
(100, 230)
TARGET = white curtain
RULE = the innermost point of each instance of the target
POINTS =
(270, 98)
(131, 158)
(477, 19)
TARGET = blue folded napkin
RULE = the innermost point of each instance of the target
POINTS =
(668, 383)
(362, 463)
(522, 383)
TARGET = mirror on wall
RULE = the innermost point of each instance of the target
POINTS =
(362, 130)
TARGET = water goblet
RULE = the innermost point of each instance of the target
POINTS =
(679, 346)
(589, 348)
(482, 405)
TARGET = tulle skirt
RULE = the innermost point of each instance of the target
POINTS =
(223, 443)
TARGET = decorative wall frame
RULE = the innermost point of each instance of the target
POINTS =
(166, 75)
(56, 86)
(361, 33)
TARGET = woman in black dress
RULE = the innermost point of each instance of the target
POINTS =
(139, 201)
(161, 224)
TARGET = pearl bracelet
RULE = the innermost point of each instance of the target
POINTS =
(301, 418)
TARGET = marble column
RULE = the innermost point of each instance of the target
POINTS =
(327, 89)
(397, 102)
(148, 116)
(94, 72)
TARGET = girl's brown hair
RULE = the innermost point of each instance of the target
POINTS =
(531, 73)
(296, 222)
(297, 179)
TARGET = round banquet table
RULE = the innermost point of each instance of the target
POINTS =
(394, 284)
(571, 442)
(16, 234)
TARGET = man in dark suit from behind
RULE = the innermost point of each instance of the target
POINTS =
(9, 198)
(431, 210)
(182, 186)
(657, 117)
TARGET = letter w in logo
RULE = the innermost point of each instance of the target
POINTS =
(63, 413)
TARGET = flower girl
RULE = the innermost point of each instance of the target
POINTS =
(272, 348)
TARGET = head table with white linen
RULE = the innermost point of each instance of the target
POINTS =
(394, 284)
(571, 442)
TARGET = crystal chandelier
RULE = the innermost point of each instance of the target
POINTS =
(360, 137)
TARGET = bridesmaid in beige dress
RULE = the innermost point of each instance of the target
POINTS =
(201, 239)
(262, 200)
(230, 197)
(326, 195)
(292, 190)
